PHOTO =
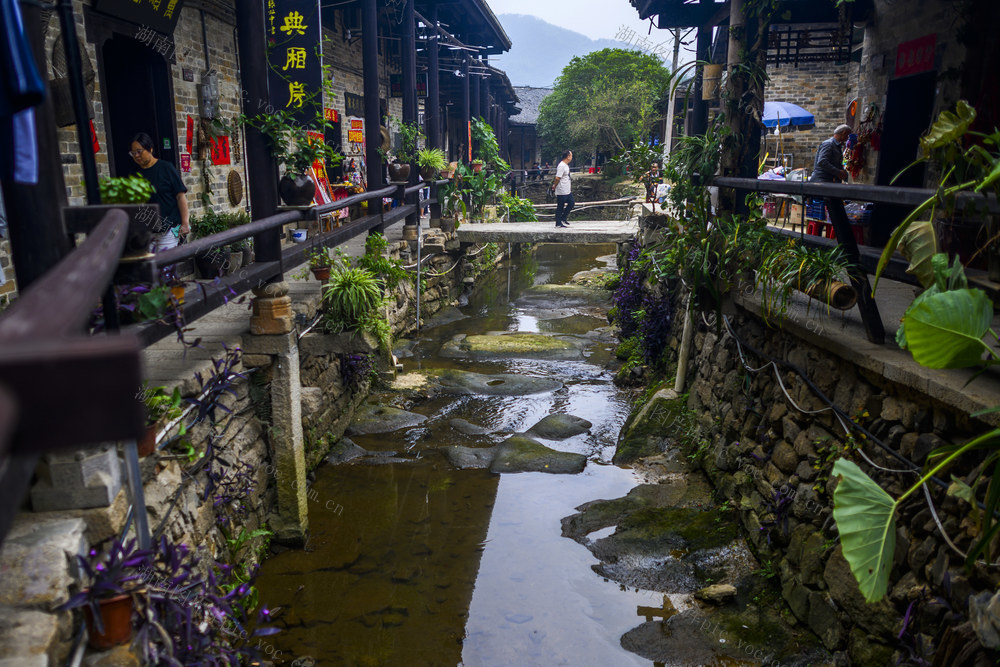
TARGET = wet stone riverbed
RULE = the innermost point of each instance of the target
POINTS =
(428, 547)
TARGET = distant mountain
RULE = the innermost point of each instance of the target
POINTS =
(540, 50)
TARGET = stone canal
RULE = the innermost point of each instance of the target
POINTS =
(473, 514)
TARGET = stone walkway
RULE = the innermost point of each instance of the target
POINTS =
(166, 362)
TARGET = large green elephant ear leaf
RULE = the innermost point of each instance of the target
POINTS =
(948, 127)
(946, 330)
(919, 244)
(865, 516)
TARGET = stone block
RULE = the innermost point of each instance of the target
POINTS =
(312, 402)
(77, 480)
(29, 638)
(878, 618)
(785, 457)
(824, 620)
(349, 342)
(37, 561)
(272, 317)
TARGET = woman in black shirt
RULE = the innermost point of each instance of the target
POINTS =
(169, 194)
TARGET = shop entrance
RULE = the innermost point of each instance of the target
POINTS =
(138, 95)
(908, 108)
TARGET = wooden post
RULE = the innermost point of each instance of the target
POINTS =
(262, 170)
(410, 96)
(466, 110)
(373, 122)
(699, 114)
(433, 102)
(859, 278)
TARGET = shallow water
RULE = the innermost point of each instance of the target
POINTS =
(428, 565)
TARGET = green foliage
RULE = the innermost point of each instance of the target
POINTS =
(469, 192)
(349, 296)
(291, 142)
(129, 190)
(605, 100)
(919, 244)
(208, 223)
(389, 271)
(975, 168)
(160, 405)
(354, 300)
(319, 257)
(637, 159)
(409, 139)
(945, 325)
(432, 158)
(489, 147)
(865, 514)
(521, 210)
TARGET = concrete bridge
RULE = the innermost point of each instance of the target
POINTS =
(579, 231)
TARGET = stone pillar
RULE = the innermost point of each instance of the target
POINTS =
(289, 462)
(272, 310)
(77, 480)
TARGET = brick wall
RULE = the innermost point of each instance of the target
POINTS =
(823, 89)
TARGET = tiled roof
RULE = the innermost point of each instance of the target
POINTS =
(530, 99)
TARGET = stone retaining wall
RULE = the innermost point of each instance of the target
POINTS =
(773, 461)
(36, 559)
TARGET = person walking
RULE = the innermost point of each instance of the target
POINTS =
(562, 186)
(168, 192)
(829, 164)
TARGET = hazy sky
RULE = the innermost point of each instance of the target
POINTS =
(597, 19)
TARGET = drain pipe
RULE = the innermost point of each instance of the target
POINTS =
(685, 352)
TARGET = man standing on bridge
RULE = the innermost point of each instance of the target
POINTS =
(562, 186)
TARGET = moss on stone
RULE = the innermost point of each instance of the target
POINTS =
(517, 342)
(658, 525)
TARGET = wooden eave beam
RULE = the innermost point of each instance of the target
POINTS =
(674, 14)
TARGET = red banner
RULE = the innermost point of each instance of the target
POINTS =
(190, 134)
(219, 148)
(916, 56)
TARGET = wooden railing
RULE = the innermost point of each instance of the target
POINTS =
(56, 383)
(860, 265)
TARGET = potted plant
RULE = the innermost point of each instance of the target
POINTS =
(108, 598)
(449, 170)
(212, 263)
(398, 161)
(161, 409)
(320, 263)
(477, 166)
(297, 148)
(133, 191)
(431, 161)
(452, 205)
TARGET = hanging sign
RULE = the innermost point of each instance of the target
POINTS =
(354, 105)
(395, 85)
(294, 72)
(185, 162)
(331, 115)
(219, 150)
(356, 136)
(470, 141)
(160, 15)
(916, 56)
(189, 141)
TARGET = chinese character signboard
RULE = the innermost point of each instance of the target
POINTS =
(395, 85)
(916, 56)
(294, 76)
(422, 84)
(331, 115)
(354, 105)
(355, 136)
(160, 15)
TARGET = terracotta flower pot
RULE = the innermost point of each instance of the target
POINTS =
(321, 272)
(116, 617)
(427, 173)
(147, 445)
(399, 172)
(477, 167)
(298, 191)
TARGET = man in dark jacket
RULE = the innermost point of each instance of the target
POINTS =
(829, 165)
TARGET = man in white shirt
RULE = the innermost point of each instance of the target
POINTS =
(562, 186)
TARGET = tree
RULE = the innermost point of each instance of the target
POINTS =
(605, 101)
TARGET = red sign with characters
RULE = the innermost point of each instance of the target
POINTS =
(330, 115)
(916, 56)
(219, 148)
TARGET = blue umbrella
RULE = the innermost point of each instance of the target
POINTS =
(785, 114)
